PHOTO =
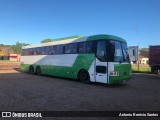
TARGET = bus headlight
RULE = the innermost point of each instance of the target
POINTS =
(114, 73)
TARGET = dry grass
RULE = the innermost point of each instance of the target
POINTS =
(142, 68)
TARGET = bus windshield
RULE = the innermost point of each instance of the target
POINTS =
(118, 52)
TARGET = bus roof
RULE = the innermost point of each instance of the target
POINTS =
(76, 38)
(106, 37)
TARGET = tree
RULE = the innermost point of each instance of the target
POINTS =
(17, 48)
(46, 40)
(5, 49)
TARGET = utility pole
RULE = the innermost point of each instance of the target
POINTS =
(137, 32)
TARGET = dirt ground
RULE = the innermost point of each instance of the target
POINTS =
(9, 67)
(24, 92)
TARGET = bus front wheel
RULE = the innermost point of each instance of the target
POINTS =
(83, 76)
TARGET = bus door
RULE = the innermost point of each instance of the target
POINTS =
(101, 63)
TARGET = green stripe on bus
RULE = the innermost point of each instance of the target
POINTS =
(24, 67)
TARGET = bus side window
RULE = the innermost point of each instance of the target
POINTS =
(88, 47)
(38, 51)
(67, 49)
(60, 49)
(74, 48)
(26, 51)
(33, 51)
(81, 47)
(54, 50)
(41, 50)
(49, 50)
(29, 51)
(44, 51)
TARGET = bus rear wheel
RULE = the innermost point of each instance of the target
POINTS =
(83, 76)
(38, 70)
(31, 70)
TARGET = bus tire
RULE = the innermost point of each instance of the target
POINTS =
(31, 70)
(83, 76)
(38, 70)
(158, 72)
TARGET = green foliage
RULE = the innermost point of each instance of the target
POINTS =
(145, 49)
(17, 48)
(46, 40)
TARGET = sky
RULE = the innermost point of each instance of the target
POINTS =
(31, 21)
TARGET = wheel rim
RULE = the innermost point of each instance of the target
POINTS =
(159, 72)
(84, 76)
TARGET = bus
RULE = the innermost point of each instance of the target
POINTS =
(98, 58)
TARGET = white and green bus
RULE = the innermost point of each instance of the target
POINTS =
(97, 58)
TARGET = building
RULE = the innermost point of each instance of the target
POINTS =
(6, 53)
(144, 57)
(144, 60)
(14, 57)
